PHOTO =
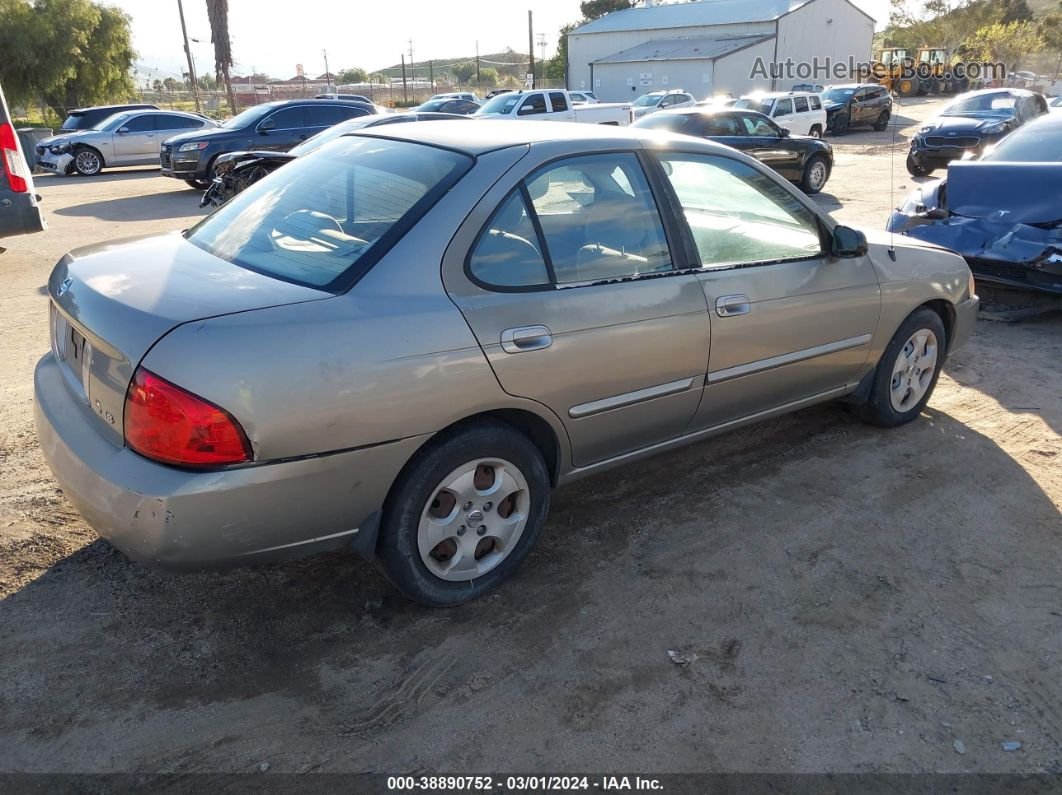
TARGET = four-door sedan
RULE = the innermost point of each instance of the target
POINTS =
(970, 124)
(803, 159)
(276, 126)
(129, 138)
(402, 341)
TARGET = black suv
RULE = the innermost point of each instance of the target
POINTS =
(859, 103)
(276, 126)
(87, 118)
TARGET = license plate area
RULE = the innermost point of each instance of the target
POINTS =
(73, 352)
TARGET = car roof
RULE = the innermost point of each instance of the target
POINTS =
(1017, 92)
(488, 135)
(115, 108)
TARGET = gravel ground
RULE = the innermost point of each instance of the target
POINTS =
(847, 599)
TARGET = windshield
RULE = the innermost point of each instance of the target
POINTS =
(322, 220)
(1035, 143)
(672, 122)
(111, 122)
(249, 116)
(839, 95)
(648, 101)
(992, 104)
(761, 105)
(503, 104)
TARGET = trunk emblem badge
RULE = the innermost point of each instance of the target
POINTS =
(59, 293)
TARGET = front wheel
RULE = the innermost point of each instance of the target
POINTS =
(907, 372)
(816, 173)
(916, 169)
(198, 184)
(88, 162)
(464, 514)
(840, 125)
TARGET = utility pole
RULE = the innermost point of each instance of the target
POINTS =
(412, 69)
(431, 75)
(405, 95)
(542, 54)
(191, 61)
(328, 77)
(477, 65)
(531, 47)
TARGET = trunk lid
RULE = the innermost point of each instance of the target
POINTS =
(110, 303)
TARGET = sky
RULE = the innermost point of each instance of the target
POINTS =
(272, 37)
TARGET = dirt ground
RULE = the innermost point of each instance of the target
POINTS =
(857, 600)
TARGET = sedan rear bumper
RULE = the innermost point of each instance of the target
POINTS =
(191, 520)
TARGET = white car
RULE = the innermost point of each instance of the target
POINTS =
(129, 138)
(661, 100)
(800, 112)
(1055, 105)
(468, 96)
(583, 98)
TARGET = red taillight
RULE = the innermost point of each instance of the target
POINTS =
(170, 425)
(13, 163)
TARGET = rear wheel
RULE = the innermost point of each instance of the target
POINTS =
(815, 131)
(907, 86)
(816, 173)
(87, 161)
(907, 372)
(464, 514)
(882, 123)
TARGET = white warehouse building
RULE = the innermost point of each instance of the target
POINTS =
(712, 47)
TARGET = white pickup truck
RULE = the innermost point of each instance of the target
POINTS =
(553, 104)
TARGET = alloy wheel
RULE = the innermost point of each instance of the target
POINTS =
(88, 162)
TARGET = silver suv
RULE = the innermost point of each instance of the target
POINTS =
(662, 100)
(19, 213)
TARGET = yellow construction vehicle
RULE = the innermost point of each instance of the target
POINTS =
(893, 67)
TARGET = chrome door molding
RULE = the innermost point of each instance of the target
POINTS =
(788, 358)
(630, 398)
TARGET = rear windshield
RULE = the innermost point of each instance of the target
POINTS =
(75, 121)
(323, 219)
(761, 105)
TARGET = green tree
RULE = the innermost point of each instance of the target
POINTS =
(488, 76)
(1006, 44)
(70, 52)
(156, 85)
(464, 72)
(592, 9)
(1015, 11)
(170, 84)
(556, 67)
(218, 14)
(352, 75)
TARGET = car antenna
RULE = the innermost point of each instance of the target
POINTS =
(892, 183)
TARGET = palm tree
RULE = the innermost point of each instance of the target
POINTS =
(218, 12)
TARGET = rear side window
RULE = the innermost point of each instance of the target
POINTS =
(816, 103)
(801, 104)
(324, 219)
(558, 102)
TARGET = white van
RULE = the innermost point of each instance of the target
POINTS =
(800, 112)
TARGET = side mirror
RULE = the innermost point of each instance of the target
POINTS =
(266, 126)
(123, 130)
(526, 110)
(785, 132)
(849, 243)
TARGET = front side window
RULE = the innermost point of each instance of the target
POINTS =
(170, 122)
(784, 107)
(759, 126)
(139, 124)
(326, 217)
(285, 119)
(723, 125)
(534, 104)
(739, 215)
(596, 218)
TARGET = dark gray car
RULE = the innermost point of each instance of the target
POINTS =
(19, 212)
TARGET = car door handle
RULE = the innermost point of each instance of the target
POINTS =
(526, 338)
(732, 305)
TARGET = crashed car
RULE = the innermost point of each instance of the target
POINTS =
(1003, 213)
(234, 171)
(971, 124)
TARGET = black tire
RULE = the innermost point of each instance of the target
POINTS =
(882, 124)
(809, 182)
(878, 408)
(397, 549)
(198, 184)
(916, 169)
(840, 124)
(88, 162)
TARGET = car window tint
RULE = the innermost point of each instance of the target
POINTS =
(507, 254)
(801, 104)
(171, 122)
(315, 219)
(738, 214)
(536, 103)
(138, 124)
(757, 125)
(557, 101)
(327, 115)
(599, 219)
(784, 107)
(816, 103)
(286, 119)
(723, 125)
